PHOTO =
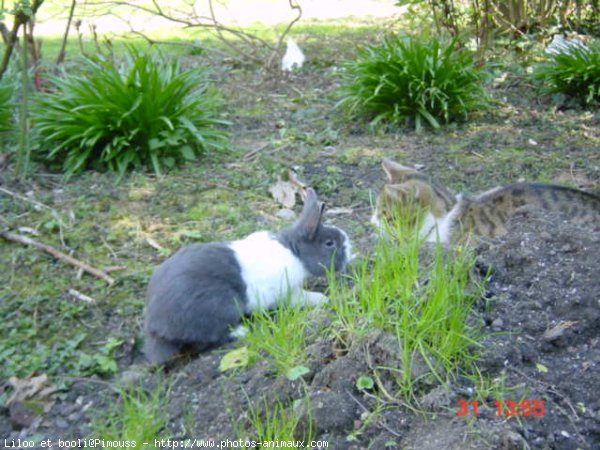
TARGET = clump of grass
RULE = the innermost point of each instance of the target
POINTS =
(281, 334)
(423, 80)
(424, 305)
(138, 418)
(573, 71)
(274, 423)
(145, 112)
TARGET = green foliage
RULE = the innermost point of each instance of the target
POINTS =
(364, 382)
(425, 80)
(7, 90)
(574, 72)
(144, 112)
(37, 342)
(297, 372)
(104, 361)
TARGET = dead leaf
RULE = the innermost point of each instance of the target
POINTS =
(286, 187)
(284, 193)
(33, 388)
(558, 330)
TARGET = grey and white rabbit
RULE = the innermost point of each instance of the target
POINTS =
(197, 297)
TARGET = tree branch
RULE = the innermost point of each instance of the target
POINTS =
(250, 47)
(61, 53)
(20, 19)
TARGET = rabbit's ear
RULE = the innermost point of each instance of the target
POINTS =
(311, 216)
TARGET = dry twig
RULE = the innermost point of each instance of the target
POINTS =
(57, 254)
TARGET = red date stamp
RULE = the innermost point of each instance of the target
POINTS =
(504, 408)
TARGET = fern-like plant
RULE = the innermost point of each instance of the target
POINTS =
(6, 105)
(145, 112)
(412, 78)
(573, 70)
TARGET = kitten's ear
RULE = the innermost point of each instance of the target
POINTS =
(311, 216)
(394, 171)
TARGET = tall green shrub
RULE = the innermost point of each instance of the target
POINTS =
(573, 71)
(145, 112)
(424, 80)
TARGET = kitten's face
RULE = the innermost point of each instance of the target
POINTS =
(408, 194)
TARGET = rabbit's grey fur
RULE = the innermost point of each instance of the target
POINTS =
(200, 293)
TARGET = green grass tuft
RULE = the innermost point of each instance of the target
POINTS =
(145, 112)
(138, 418)
(282, 334)
(428, 81)
(275, 422)
(421, 300)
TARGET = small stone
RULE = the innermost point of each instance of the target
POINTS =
(61, 423)
(497, 324)
(20, 415)
(332, 411)
(131, 376)
(286, 214)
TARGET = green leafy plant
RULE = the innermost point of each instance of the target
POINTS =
(413, 78)
(574, 71)
(365, 382)
(143, 112)
(102, 362)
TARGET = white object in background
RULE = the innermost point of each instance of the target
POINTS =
(560, 44)
(293, 58)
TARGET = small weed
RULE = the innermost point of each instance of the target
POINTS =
(138, 418)
(275, 422)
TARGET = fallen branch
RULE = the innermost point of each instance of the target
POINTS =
(37, 204)
(57, 254)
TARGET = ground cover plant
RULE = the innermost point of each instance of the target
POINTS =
(143, 112)
(537, 319)
(427, 80)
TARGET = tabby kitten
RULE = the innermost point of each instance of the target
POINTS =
(449, 217)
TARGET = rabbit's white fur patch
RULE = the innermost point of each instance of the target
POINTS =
(269, 270)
